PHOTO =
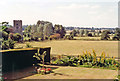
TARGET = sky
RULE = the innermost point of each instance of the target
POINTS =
(78, 13)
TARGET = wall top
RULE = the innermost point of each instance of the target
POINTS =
(17, 20)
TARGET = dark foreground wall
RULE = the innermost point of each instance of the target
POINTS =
(16, 59)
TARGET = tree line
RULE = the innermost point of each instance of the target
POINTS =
(43, 30)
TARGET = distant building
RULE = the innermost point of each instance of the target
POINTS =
(17, 25)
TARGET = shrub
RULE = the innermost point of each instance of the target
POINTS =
(117, 34)
(46, 38)
(8, 44)
(105, 35)
(11, 43)
(4, 45)
(115, 38)
(36, 39)
(70, 37)
(88, 60)
(90, 34)
(17, 37)
(5, 35)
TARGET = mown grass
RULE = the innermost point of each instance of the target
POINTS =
(76, 47)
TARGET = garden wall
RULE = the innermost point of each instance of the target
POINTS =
(15, 59)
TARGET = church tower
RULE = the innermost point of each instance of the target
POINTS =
(17, 24)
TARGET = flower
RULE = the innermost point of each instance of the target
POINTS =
(48, 69)
(43, 69)
(114, 64)
(5, 77)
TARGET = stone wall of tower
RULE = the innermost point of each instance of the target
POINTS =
(17, 24)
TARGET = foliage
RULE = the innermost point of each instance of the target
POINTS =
(4, 35)
(8, 44)
(73, 33)
(86, 32)
(81, 32)
(70, 37)
(98, 34)
(118, 78)
(40, 57)
(4, 28)
(117, 34)
(40, 30)
(55, 36)
(105, 35)
(93, 34)
(15, 37)
(88, 60)
(59, 29)
(90, 34)
(48, 29)
(11, 43)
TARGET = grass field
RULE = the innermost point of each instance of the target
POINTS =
(76, 47)
(87, 38)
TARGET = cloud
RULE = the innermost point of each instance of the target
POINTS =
(74, 6)
(67, 13)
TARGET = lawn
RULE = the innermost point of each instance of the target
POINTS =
(76, 47)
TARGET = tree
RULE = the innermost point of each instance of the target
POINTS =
(16, 37)
(81, 32)
(93, 34)
(97, 34)
(78, 32)
(8, 44)
(73, 33)
(5, 35)
(117, 34)
(105, 35)
(60, 29)
(29, 28)
(4, 28)
(40, 30)
(33, 28)
(86, 32)
(48, 30)
(90, 34)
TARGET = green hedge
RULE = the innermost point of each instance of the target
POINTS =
(20, 58)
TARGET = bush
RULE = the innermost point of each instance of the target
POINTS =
(4, 45)
(36, 39)
(4, 35)
(90, 34)
(105, 35)
(88, 60)
(11, 43)
(70, 37)
(117, 34)
(115, 38)
(17, 37)
(8, 44)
